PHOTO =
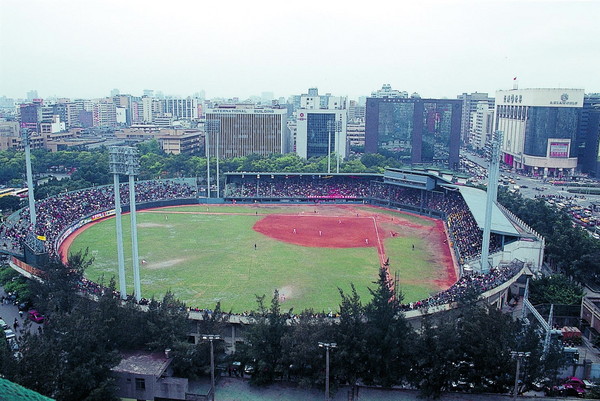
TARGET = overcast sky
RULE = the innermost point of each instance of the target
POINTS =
(85, 48)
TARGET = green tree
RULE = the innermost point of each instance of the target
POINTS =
(351, 355)
(58, 290)
(555, 289)
(303, 360)
(264, 341)
(388, 334)
(10, 203)
(436, 357)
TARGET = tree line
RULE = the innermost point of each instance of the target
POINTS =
(569, 248)
(88, 168)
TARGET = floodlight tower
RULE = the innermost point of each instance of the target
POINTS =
(214, 127)
(124, 160)
(117, 163)
(27, 145)
(492, 193)
(133, 169)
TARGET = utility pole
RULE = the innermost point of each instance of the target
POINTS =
(211, 338)
(327, 346)
(519, 355)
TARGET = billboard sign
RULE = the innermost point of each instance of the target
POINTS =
(559, 149)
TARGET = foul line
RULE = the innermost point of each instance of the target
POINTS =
(380, 249)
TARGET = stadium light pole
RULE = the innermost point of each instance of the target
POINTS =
(211, 338)
(329, 128)
(327, 346)
(492, 191)
(117, 167)
(338, 134)
(518, 355)
(27, 145)
(218, 132)
(206, 149)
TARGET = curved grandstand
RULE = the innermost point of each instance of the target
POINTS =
(461, 209)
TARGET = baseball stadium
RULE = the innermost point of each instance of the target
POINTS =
(305, 235)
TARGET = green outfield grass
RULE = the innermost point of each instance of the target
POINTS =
(208, 257)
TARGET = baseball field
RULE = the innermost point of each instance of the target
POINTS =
(231, 253)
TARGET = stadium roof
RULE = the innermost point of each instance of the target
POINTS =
(476, 199)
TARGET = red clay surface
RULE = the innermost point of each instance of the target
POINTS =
(320, 231)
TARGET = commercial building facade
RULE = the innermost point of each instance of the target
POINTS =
(320, 132)
(470, 103)
(481, 125)
(241, 130)
(419, 131)
(539, 129)
(588, 143)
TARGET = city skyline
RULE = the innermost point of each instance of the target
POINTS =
(438, 49)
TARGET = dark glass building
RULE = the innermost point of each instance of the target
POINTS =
(320, 130)
(419, 131)
(588, 136)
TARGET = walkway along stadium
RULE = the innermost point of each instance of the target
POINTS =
(515, 249)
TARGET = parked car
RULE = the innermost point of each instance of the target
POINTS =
(3, 325)
(13, 345)
(572, 386)
(36, 316)
(9, 334)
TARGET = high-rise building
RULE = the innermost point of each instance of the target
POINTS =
(419, 131)
(105, 114)
(181, 109)
(539, 129)
(31, 116)
(151, 107)
(320, 132)
(469, 106)
(481, 125)
(241, 130)
(588, 136)
(356, 112)
(9, 135)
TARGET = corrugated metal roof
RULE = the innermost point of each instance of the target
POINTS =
(476, 200)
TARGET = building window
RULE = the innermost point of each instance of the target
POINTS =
(140, 384)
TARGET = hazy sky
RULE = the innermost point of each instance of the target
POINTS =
(85, 48)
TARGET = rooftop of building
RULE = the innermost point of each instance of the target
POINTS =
(143, 363)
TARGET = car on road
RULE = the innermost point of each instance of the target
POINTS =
(36, 316)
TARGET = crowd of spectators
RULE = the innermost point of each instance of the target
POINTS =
(462, 227)
(57, 213)
(300, 188)
(479, 283)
